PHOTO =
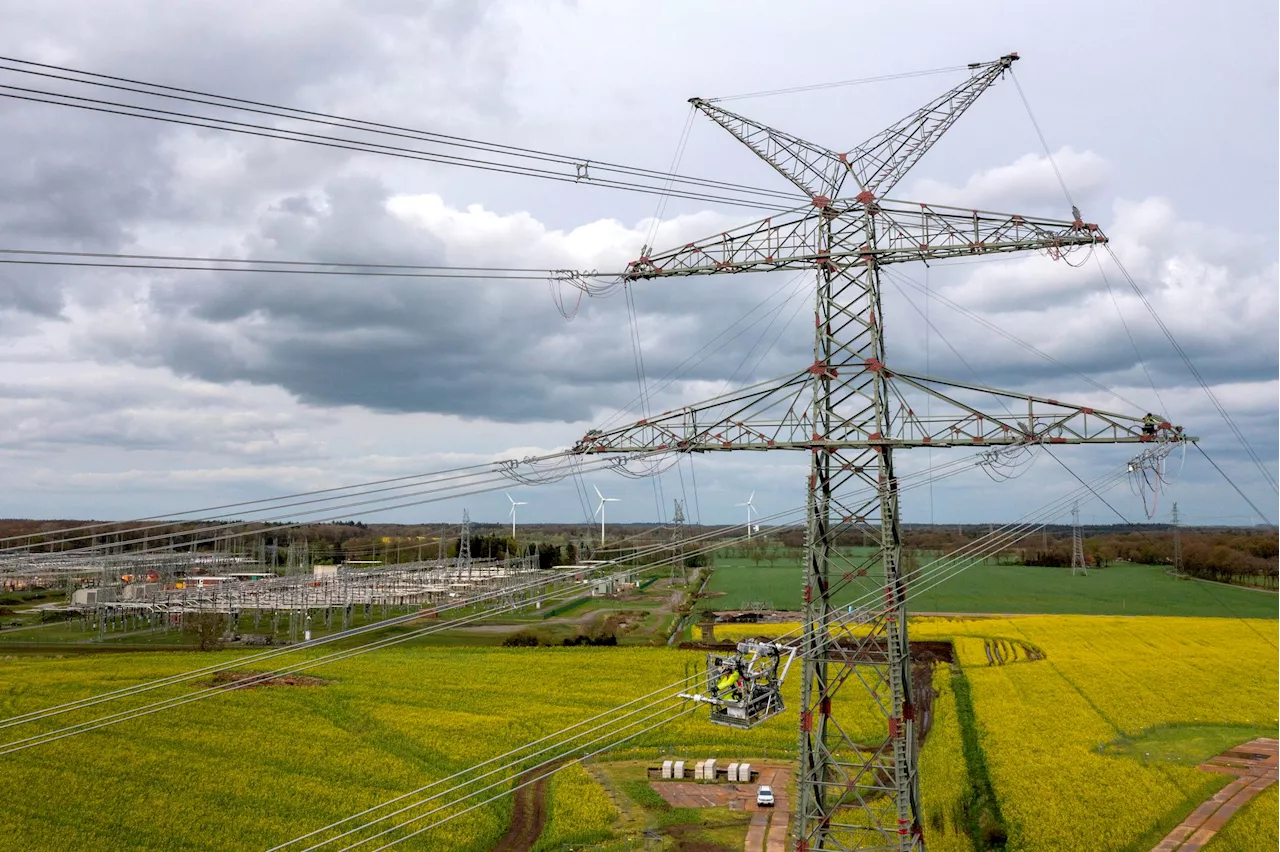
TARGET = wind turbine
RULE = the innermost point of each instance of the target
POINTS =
(600, 510)
(750, 509)
(515, 503)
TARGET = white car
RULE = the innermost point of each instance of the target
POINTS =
(764, 796)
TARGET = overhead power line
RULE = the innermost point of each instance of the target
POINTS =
(458, 787)
(1267, 476)
(813, 87)
(509, 159)
(106, 260)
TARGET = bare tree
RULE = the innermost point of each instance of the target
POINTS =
(208, 628)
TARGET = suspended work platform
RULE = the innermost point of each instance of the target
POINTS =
(745, 688)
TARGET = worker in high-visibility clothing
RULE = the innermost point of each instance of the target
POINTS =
(1149, 424)
(729, 685)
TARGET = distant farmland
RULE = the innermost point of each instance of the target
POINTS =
(1118, 589)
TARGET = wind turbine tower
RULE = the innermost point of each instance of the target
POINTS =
(600, 510)
(515, 503)
(750, 509)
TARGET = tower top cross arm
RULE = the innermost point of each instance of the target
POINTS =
(904, 231)
(878, 163)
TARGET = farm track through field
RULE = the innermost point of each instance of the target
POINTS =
(529, 811)
(1254, 765)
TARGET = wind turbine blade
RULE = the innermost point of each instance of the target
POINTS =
(598, 508)
(598, 494)
(752, 497)
(509, 498)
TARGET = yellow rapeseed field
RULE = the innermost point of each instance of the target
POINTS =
(579, 810)
(1041, 724)
(257, 767)
(944, 780)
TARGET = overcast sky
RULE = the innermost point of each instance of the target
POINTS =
(133, 393)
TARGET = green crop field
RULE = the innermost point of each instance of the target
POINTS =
(1119, 589)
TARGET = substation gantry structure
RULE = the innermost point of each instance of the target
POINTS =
(854, 795)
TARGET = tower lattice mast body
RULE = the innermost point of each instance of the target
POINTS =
(1077, 543)
(850, 411)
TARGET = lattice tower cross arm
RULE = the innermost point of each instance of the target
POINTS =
(875, 165)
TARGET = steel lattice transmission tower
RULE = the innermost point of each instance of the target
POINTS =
(859, 789)
(1077, 544)
(464, 547)
(677, 542)
(1177, 541)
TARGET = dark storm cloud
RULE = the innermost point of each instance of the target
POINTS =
(80, 180)
(470, 347)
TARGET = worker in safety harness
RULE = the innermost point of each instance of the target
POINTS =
(1149, 424)
(729, 685)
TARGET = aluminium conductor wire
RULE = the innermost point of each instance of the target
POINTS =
(669, 693)
(333, 656)
(342, 143)
(937, 473)
(474, 481)
(293, 113)
(172, 680)
(259, 501)
(974, 558)
(465, 771)
(122, 716)
(607, 746)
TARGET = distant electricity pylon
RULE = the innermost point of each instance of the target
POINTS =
(1177, 542)
(1077, 544)
(464, 547)
(852, 794)
(677, 542)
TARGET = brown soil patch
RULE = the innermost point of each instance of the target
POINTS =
(222, 678)
(529, 811)
(684, 843)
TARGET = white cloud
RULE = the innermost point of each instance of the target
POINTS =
(1029, 182)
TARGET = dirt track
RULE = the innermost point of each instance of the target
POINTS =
(529, 813)
(1253, 766)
